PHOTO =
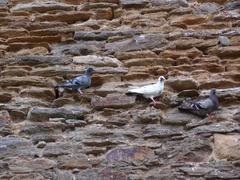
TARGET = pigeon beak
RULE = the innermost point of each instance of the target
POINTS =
(213, 91)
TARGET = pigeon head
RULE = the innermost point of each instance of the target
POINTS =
(89, 71)
(214, 97)
(161, 78)
(213, 92)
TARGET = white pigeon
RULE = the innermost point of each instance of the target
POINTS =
(151, 90)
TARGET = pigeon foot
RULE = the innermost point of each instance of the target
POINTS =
(154, 102)
(81, 93)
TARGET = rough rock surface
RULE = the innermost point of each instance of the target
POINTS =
(104, 134)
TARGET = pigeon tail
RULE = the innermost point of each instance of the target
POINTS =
(132, 94)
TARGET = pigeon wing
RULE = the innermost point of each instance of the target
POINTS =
(204, 104)
(151, 89)
(77, 82)
(139, 90)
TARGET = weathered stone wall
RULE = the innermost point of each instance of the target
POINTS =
(105, 134)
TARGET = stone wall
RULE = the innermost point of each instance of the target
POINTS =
(105, 134)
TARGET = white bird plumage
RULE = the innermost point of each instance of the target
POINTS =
(151, 90)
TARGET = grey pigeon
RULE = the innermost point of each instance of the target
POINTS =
(149, 91)
(201, 108)
(76, 84)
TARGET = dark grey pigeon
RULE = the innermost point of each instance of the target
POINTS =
(201, 108)
(76, 84)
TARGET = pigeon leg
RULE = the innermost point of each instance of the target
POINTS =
(211, 117)
(153, 100)
(79, 90)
